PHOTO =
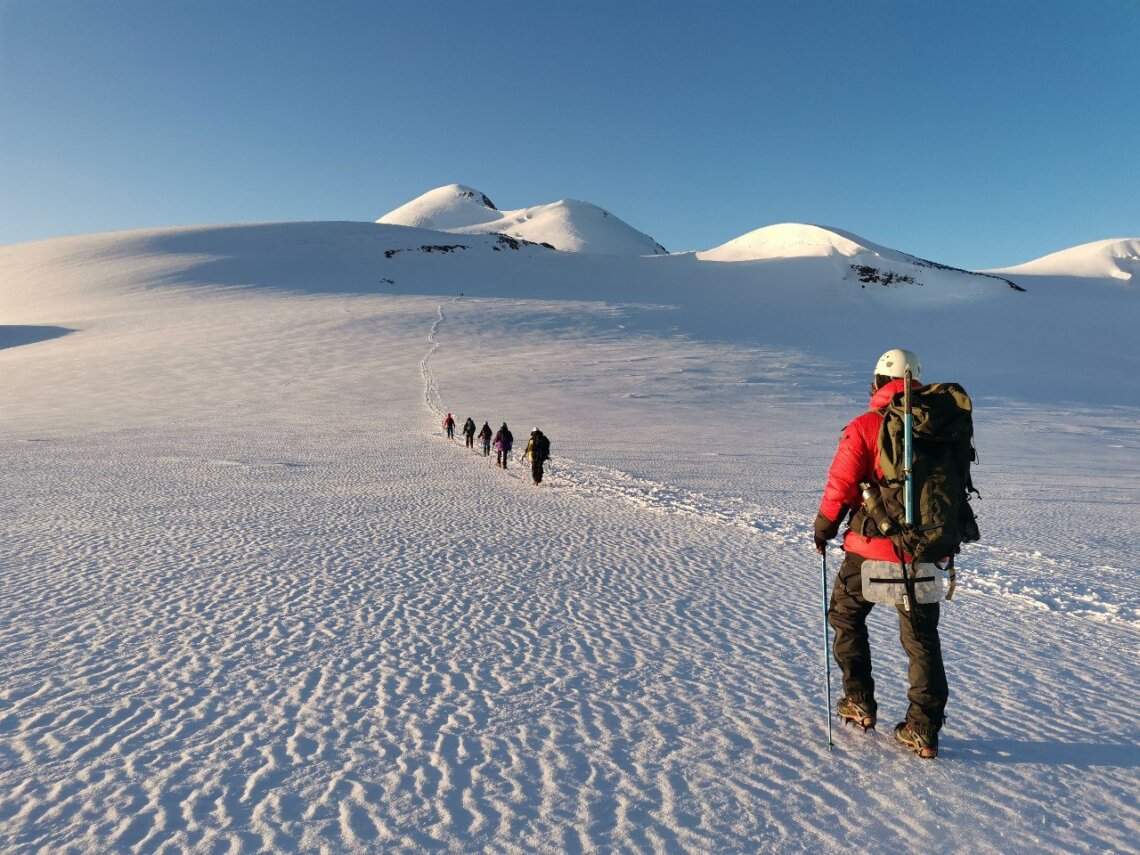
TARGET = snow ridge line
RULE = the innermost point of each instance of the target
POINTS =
(990, 570)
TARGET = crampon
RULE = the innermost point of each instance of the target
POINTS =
(925, 747)
(856, 713)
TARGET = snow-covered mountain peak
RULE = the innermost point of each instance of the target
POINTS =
(795, 240)
(448, 207)
(1117, 258)
(855, 258)
(568, 224)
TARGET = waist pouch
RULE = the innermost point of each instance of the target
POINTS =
(885, 582)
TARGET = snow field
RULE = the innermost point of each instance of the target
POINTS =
(334, 680)
(254, 601)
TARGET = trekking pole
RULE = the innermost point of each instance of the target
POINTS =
(826, 644)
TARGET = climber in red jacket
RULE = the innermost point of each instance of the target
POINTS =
(856, 461)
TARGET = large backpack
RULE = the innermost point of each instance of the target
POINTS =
(542, 447)
(942, 450)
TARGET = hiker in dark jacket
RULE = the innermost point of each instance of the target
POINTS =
(469, 432)
(538, 450)
(485, 436)
(504, 439)
(449, 426)
(857, 461)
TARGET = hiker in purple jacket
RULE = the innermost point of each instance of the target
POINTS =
(503, 442)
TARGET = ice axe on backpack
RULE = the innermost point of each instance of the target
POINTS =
(908, 450)
(909, 573)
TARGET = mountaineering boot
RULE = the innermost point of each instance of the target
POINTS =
(925, 747)
(859, 713)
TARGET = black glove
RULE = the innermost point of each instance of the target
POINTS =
(825, 530)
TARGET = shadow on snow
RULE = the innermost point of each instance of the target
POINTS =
(1083, 755)
(18, 336)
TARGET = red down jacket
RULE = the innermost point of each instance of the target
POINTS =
(857, 460)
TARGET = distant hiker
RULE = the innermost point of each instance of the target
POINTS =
(504, 439)
(449, 426)
(485, 436)
(856, 482)
(469, 432)
(538, 450)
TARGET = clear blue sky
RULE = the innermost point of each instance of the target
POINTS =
(977, 133)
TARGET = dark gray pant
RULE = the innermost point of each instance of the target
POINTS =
(919, 636)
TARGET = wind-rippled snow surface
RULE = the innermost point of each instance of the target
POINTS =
(254, 601)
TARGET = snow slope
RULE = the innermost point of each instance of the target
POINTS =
(796, 240)
(253, 601)
(853, 258)
(567, 225)
(1111, 260)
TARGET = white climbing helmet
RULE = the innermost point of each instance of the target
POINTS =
(894, 363)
